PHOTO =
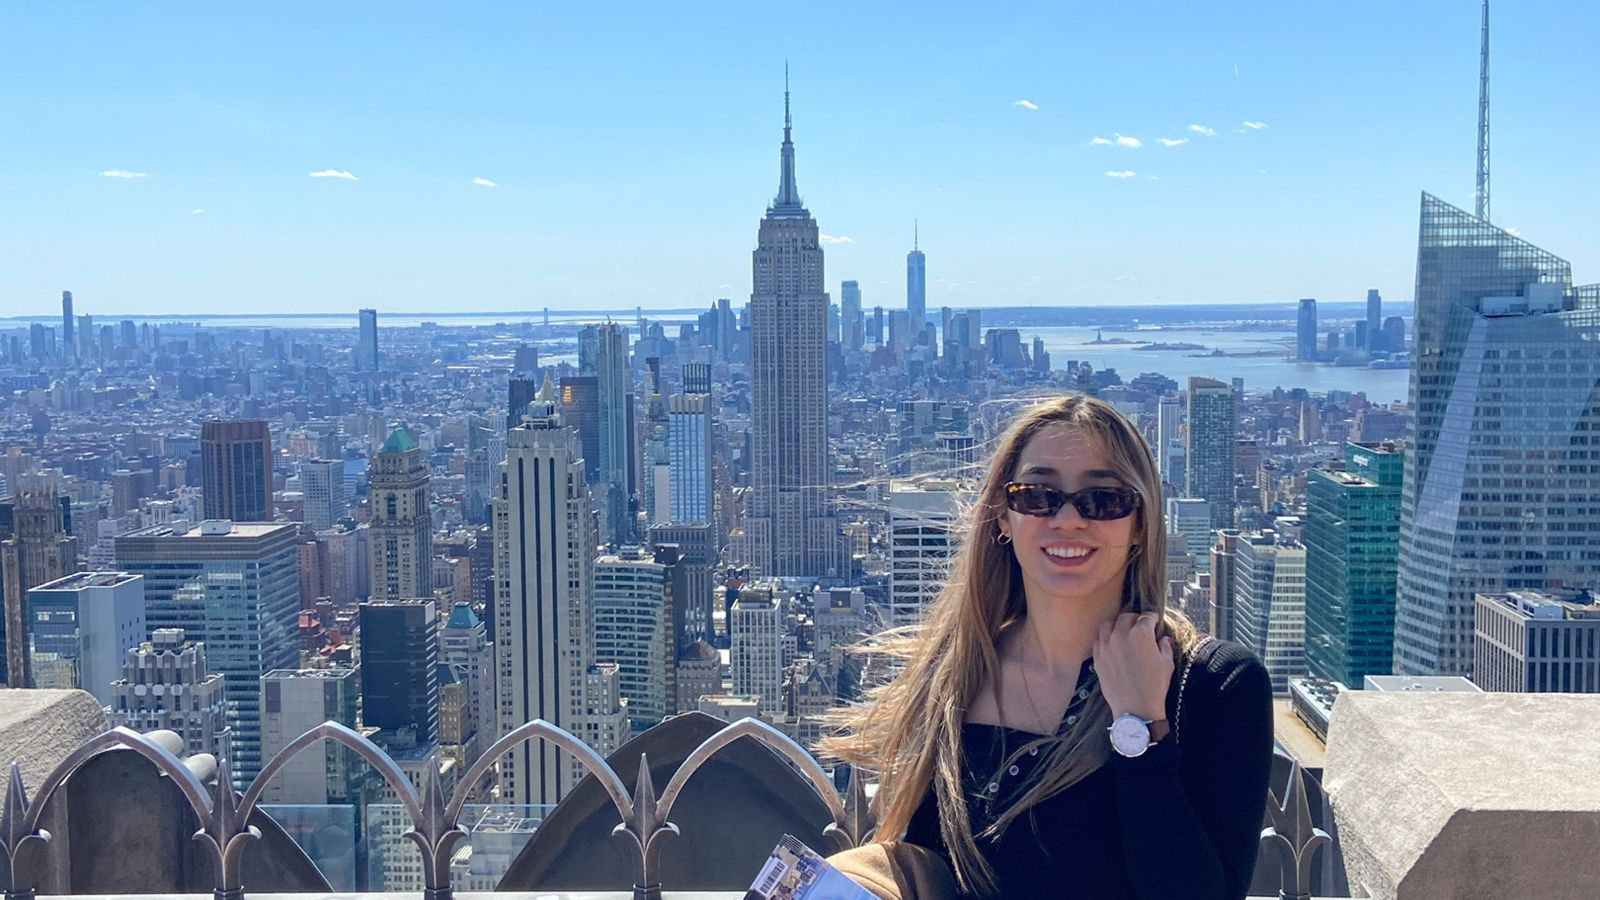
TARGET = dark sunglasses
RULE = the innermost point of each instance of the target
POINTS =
(1099, 504)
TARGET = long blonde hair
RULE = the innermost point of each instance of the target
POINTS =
(908, 731)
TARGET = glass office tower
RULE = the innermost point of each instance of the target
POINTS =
(1500, 476)
(1352, 537)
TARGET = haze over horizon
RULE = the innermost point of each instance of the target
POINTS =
(202, 160)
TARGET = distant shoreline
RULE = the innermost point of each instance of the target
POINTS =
(997, 316)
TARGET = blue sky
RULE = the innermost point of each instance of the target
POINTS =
(633, 148)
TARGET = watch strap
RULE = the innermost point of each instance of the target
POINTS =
(1159, 729)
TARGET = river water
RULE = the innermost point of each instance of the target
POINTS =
(1067, 343)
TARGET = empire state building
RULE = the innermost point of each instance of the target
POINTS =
(791, 527)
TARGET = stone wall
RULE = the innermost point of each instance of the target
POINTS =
(1462, 796)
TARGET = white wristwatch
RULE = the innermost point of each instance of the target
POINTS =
(1130, 734)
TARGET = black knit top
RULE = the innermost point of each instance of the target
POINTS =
(1181, 821)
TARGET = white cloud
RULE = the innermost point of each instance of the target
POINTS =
(1255, 126)
(196, 212)
(1119, 140)
(1201, 129)
(1123, 278)
(484, 182)
(334, 173)
(1025, 104)
(1512, 231)
(121, 173)
(1172, 142)
(1125, 173)
(841, 239)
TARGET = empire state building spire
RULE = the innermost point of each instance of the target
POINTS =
(787, 204)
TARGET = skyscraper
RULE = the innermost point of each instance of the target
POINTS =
(923, 518)
(39, 550)
(367, 342)
(916, 284)
(322, 482)
(544, 542)
(615, 384)
(1269, 590)
(235, 586)
(1208, 457)
(1538, 642)
(68, 343)
(1352, 538)
(191, 701)
(1224, 564)
(464, 649)
(755, 631)
(580, 411)
(790, 527)
(689, 457)
(402, 523)
(236, 470)
(294, 701)
(605, 711)
(1394, 334)
(399, 669)
(1375, 322)
(1499, 484)
(697, 550)
(852, 327)
(520, 391)
(1190, 518)
(632, 628)
(1306, 331)
(1169, 423)
(83, 624)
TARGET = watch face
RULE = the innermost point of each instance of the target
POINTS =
(1129, 736)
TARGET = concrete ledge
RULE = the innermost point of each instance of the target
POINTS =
(38, 728)
(1462, 796)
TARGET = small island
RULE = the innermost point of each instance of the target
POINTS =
(1176, 345)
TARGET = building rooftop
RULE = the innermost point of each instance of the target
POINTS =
(1296, 738)
(1547, 605)
(1420, 684)
(400, 440)
(462, 616)
(213, 528)
(329, 673)
(83, 580)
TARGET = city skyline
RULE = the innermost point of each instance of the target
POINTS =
(193, 193)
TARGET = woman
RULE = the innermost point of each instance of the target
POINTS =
(1055, 730)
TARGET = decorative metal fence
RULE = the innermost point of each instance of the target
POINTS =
(644, 817)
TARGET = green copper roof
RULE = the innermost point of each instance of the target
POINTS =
(462, 616)
(400, 440)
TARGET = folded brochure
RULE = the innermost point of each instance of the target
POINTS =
(797, 872)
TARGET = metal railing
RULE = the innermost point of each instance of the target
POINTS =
(435, 820)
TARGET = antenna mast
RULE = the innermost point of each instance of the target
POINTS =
(1483, 122)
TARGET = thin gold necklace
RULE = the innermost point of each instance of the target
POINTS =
(1027, 693)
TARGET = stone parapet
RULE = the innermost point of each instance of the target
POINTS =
(1461, 796)
(39, 727)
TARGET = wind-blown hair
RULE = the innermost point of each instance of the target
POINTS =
(908, 731)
